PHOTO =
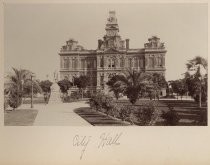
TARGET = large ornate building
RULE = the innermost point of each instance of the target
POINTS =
(112, 56)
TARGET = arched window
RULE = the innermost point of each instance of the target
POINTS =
(73, 63)
(82, 63)
(130, 63)
(136, 62)
(151, 62)
(160, 61)
(121, 62)
(109, 63)
(141, 63)
(113, 63)
(66, 63)
(101, 62)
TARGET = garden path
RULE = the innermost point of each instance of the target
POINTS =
(60, 115)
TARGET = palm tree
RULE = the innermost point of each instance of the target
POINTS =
(115, 87)
(196, 64)
(15, 86)
(133, 83)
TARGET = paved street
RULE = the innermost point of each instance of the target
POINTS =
(60, 115)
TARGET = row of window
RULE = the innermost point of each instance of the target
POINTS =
(159, 62)
(74, 63)
(112, 63)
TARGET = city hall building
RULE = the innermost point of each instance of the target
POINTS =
(112, 56)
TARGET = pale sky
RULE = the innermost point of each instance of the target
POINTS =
(34, 33)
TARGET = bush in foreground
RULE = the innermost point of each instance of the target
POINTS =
(171, 117)
(146, 114)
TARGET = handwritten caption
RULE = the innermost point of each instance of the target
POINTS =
(104, 140)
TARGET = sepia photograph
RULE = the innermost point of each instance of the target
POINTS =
(105, 64)
(104, 82)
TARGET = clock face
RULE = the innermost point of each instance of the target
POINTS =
(112, 33)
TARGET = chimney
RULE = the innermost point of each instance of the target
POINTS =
(99, 44)
(127, 43)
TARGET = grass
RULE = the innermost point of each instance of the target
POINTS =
(36, 100)
(98, 119)
(188, 111)
(20, 117)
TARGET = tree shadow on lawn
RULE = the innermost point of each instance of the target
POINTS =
(20, 117)
(98, 119)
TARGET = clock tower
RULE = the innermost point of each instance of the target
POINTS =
(112, 38)
(112, 28)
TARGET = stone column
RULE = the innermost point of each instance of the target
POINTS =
(125, 62)
(105, 62)
(98, 61)
(132, 63)
(70, 63)
(117, 62)
(61, 62)
(94, 63)
(155, 61)
(146, 62)
(105, 81)
(163, 61)
(98, 79)
(79, 62)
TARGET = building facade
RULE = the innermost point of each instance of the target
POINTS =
(112, 56)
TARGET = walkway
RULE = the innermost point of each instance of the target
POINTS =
(60, 115)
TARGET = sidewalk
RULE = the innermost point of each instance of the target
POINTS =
(60, 115)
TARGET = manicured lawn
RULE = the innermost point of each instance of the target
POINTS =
(98, 119)
(36, 100)
(20, 117)
(187, 110)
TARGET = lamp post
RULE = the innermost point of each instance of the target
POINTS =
(32, 92)
(200, 92)
(22, 81)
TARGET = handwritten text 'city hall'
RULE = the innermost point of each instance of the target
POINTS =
(104, 140)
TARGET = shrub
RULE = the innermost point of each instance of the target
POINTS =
(67, 99)
(14, 99)
(171, 117)
(96, 101)
(125, 113)
(202, 120)
(108, 104)
(75, 95)
(147, 114)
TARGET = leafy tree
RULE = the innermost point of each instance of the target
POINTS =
(15, 86)
(159, 82)
(64, 85)
(82, 82)
(197, 82)
(194, 83)
(27, 87)
(179, 87)
(133, 83)
(45, 85)
(115, 87)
